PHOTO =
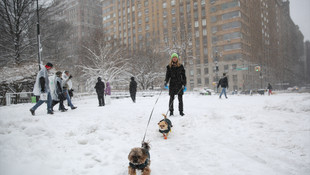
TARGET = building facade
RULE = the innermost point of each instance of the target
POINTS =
(84, 16)
(236, 37)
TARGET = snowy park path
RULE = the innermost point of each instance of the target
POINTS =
(241, 135)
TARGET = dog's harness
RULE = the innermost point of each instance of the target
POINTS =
(169, 126)
(143, 165)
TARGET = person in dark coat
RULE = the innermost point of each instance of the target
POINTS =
(175, 76)
(224, 84)
(59, 92)
(133, 89)
(269, 89)
(100, 91)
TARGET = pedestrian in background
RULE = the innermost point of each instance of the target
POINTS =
(67, 85)
(41, 88)
(57, 93)
(100, 91)
(269, 89)
(108, 93)
(224, 84)
(133, 89)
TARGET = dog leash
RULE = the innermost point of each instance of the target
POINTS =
(172, 101)
(151, 117)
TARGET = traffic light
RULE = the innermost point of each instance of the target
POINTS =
(257, 68)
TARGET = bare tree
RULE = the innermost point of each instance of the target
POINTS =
(146, 67)
(181, 43)
(102, 59)
(17, 19)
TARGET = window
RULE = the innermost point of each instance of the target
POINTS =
(204, 32)
(231, 15)
(197, 33)
(205, 51)
(204, 22)
(231, 25)
(212, 1)
(203, 12)
(213, 9)
(164, 5)
(230, 36)
(199, 81)
(207, 81)
(196, 24)
(188, 8)
(232, 46)
(226, 68)
(213, 19)
(230, 5)
(203, 2)
(214, 29)
(172, 2)
(214, 39)
(232, 57)
(235, 78)
(206, 70)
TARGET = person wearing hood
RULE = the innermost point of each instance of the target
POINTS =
(175, 76)
(67, 85)
(133, 89)
(224, 84)
(108, 93)
(57, 93)
(100, 91)
(41, 88)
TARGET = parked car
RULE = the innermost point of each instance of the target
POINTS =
(206, 91)
(295, 88)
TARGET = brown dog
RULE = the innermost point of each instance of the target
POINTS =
(139, 159)
(165, 126)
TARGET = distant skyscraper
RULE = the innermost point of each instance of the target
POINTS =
(85, 16)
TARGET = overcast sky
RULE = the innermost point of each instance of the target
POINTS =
(300, 14)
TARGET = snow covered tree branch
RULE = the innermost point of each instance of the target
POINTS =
(104, 61)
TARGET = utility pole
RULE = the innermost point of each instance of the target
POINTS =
(38, 36)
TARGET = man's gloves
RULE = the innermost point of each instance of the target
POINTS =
(70, 76)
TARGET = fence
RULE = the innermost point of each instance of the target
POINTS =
(28, 97)
(21, 97)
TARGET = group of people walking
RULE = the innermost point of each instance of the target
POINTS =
(52, 90)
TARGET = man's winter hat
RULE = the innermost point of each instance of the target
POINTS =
(99, 78)
(174, 55)
(48, 65)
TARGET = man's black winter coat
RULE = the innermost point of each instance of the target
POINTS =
(133, 87)
(100, 87)
(223, 82)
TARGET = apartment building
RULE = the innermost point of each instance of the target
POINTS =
(213, 37)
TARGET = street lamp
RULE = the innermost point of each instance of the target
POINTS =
(38, 35)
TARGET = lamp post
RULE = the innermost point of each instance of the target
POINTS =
(38, 35)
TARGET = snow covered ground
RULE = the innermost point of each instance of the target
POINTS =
(242, 135)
